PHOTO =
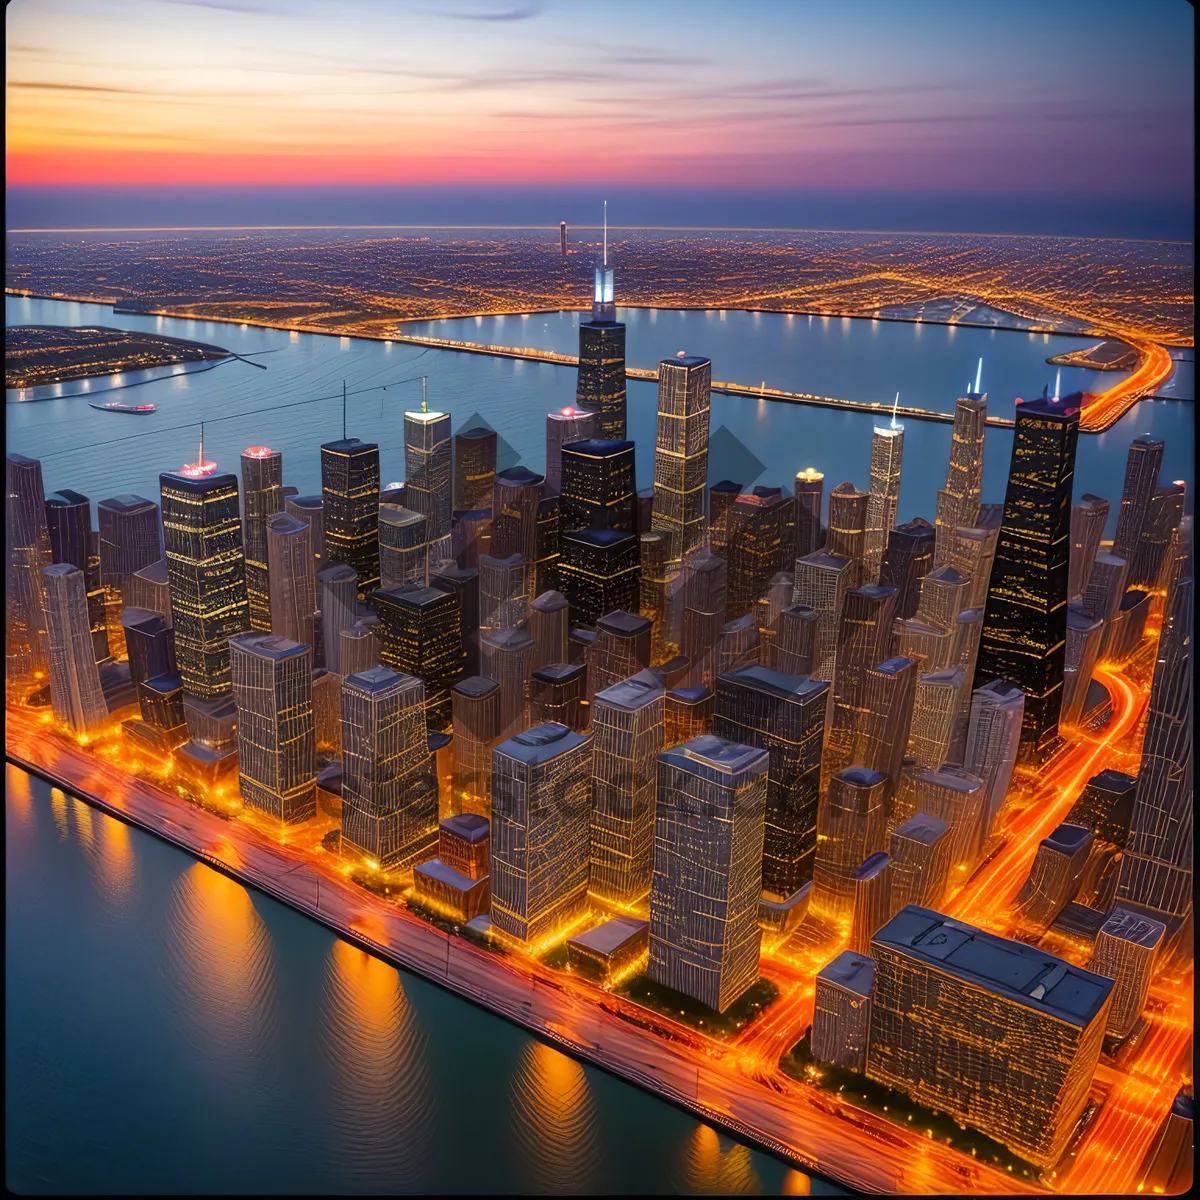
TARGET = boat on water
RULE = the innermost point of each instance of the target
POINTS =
(114, 406)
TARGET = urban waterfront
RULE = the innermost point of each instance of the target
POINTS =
(189, 1035)
(752, 442)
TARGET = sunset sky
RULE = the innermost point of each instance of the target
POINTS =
(1017, 98)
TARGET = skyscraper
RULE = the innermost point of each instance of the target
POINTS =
(1142, 466)
(703, 594)
(69, 519)
(1105, 587)
(76, 697)
(541, 801)
(887, 451)
(293, 585)
(557, 694)
(350, 508)
(906, 561)
(944, 595)
(784, 714)
(597, 485)
(938, 982)
(404, 547)
(756, 539)
(920, 852)
(463, 584)
(131, 539)
(621, 649)
(872, 900)
(428, 477)
(474, 468)
(993, 737)
(1105, 806)
(337, 590)
(547, 545)
(503, 600)
(939, 717)
(883, 719)
(272, 688)
(958, 798)
(851, 826)
(810, 492)
(548, 626)
(708, 844)
(1156, 869)
(795, 640)
(681, 452)
(151, 644)
(1054, 878)
(1084, 635)
(598, 573)
(1088, 519)
(504, 655)
(972, 553)
(389, 792)
(958, 501)
(627, 733)
(562, 427)
(658, 594)
(842, 1011)
(475, 707)
(262, 498)
(601, 384)
(822, 580)
(1126, 948)
(1025, 625)
(687, 714)
(28, 542)
(207, 574)
(312, 510)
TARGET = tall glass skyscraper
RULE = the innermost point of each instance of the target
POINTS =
(681, 452)
(262, 498)
(350, 488)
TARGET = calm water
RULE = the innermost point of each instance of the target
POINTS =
(752, 441)
(168, 1030)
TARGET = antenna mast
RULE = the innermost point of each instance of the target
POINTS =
(202, 443)
(895, 404)
(343, 410)
(978, 375)
(424, 406)
(606, 233)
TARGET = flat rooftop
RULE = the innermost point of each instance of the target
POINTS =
(717, 754)
(923, 828)
(1134, 927)
(763, 679)
(541, 743)
(611, 936)
(635, 692)
(851, 972)
(467, 827)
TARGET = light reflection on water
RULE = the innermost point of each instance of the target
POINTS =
(717, 1166)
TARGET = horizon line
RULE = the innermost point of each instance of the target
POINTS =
(554, 228)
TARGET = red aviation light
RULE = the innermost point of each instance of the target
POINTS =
(258, 452)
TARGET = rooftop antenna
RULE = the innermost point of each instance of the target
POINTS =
(343, 410)
(978, 375)
(1057, 381)
(606, 233)
(895, 404)
(201, 459)
(424, 406)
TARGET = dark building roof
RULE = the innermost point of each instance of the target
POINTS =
(635, 692)
(851, 972)
(1067, 839)
(125, 503)
(467, 827)
(871, 867)
(597, 447)
(686, 360)
(476, 686)
(691, 695)
(624, 624)
(924, 828)
(861, 776)
(609, 937)
(1065, 409)
(718, 754)
(559, 672)
(349, 446)
(518, 477)
(541, 743)
(777, 683)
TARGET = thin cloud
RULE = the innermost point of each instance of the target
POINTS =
(525, 13)
(235, 6)
(37, 86)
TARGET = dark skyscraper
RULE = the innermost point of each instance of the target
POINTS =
(601, 386)
(1141, 480)
(906, 561)
(598, 573)
(262, 497)
(756, 537)
(1025, 622)
(428, 476)
(848, 525)
(681, 452)
(810, 491)
(474, 468)
(69, 519)
(517, 496)
(597, 485)
(131, 538)
(350, 487)
(27, 541)
(567, 425)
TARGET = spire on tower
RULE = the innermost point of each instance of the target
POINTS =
(895, 405)
(978, 375)
(1057, 382)
(606, 233)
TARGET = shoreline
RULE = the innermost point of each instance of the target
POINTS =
(752, 1110)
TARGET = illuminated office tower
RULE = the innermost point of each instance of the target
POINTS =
(293, 586)
(548, 626)
(756, 526)
(627, 738)
(1088, 519)
(784, 714)
(704, 592)
(601, 380)
(327, 713)
(429, 477)
(929, 646)
(69, 521)
(681, 452)
(810, 492)
(1105, 806)
(968, 632)
(151, 644)
(903, 804)
(882, 723)
(262, 497)
(1126, 948)
(516, 496)
(597, 485)
(872, 900)
(1142, 466)
(822, 580)
(842, 1011)
(557, 694)
(1106, 587)
(598, 573)
(851, 826)
(312, 510)
(163, 727)
(937, 716)
(737, 645)
(937, 983)
(350, 508)
(337, 591)
(562, 427)
(957, 797)
(944, 595)
(887, 451)
(621, 649)
(906, 562)
(474, 468)
(658, 595)
(421, 635)
(547, 545)
(504, 655)
(708, 849)
(360, 646)
(150, 588)
(1084, 635)
(131, 538)
(958, 501)
(272, 688)
(541, 803)
(503, 601)
(207, 573)
(389, 793)
(1162, 521)
(687, 714)
(76, 697)
(972, 553)
(27, 541)
(1156, 870)
(404, 547)
(1025, 625)
(920, 851)
(471, 536)
(475, 705)
(864, 635)
(767, 610)
(993, 736)
(721, 498)
(1054, 878)
(791, 650)
(463, 583)
(848, 526)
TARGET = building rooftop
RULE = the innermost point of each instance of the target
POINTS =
(690, 695)
(125, 503)
(599, 537)
(1133, 598)
(349, 446)
(467, 827)
(56, 569)
(511, 561)
(164, 685)
(268, 645)
(1134, 927)
(284, 523)
(413, 595)
(307, 502)
(851, 972)
(872, 866)
(506, 639)
(861, 776)
(477, 431)
(598, 447)
(635, 692)
(438, 741)
(955, 778)
(718, 754)
(624, 624)
(329, 778)
(476, 686)
(155, 572)
(923, 828)
(825, 561)
(425, 418)
(397, 514)
(609, 937)
(559, 672)
(66, 498)
(377, 680)
(541, 743)
(434, 868)
(685, 360)
(1010, 969)
(549, 602)
(142, 618)
(1067, 839)
(1066, 409)
(1113, 780)
(518, 477)
(1079, 620)
(946, 574)
(777, 683)
(893, 666)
